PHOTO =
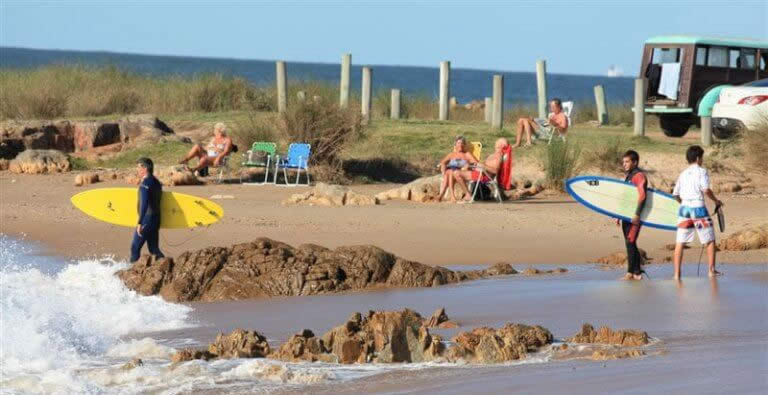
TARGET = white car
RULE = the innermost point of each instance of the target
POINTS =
(740, 108)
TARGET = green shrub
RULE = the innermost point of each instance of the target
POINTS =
(560, 162)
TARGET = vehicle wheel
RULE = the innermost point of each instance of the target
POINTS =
(675, 125)
(724, 133)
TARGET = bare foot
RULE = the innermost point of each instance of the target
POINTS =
(714, 273)
(637, 276)
(515, 145)
(628, 276)
(676, 277)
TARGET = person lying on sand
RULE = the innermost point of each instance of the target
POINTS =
(214, 153)
(456, 161)
(556, 123)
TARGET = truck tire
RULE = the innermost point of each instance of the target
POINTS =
(675, 125)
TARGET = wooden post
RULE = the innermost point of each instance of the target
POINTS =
(346, 63)
(394, 105)
(602, 111)
(488, 109)
(281, 86)
(445, 89)
(640, 84)
(498, 101)
(301, 96)
(366, 92)
(541, 87)
(706, 131)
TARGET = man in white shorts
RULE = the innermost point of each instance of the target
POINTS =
(691, 187)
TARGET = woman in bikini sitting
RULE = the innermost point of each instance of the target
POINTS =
(217, 149)
(452, 165)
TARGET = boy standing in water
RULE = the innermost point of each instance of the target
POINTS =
(631, 230)
(148, 227)
(691, 187)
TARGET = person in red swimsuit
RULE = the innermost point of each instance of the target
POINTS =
(631, 229)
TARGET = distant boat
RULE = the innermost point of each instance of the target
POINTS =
(614, 71)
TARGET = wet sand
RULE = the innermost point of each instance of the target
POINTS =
(545, 229)
(713, 333)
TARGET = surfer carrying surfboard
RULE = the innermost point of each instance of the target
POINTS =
(691, 187)
(631, 229)
(148, 227)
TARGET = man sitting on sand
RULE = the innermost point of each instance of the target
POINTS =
(557, 123)
(456, 161)
(214, 153)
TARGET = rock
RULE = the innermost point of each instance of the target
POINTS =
(188, 354)
(4, 163)
(422, 190)
(331, 195)
(34, 161)
(18, 136)
(606, 355)
(486, 345)
(619, 258)
(530, 271)
(475, 105)
(437, 318)
(266, 267)
(379, 337)
(748, 239)
(500, 269)
(86, 179)
(134, 363)
(728, 187)
(606, 335)
(304, 347)
(175, 175)
(240, 344)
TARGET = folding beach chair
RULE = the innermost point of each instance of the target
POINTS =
(297, 159)
(476, 149)
(495, 183)
(261, 154)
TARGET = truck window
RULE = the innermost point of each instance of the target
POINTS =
(665, 55)
(748, 58)
(763, 58)
(734, 58)
(701, 56)
(718, 57)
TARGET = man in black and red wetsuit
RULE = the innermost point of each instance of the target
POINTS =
(631, 230)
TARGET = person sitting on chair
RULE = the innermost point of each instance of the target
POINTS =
(556, 123)
(214, 153)
(456, 161)
(484, 172)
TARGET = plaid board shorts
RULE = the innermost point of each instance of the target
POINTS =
(690, 218)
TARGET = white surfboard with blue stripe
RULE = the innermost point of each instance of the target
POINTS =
(618, 199)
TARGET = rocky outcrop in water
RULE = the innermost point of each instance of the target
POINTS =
(487, 345)
(238, 344)
(606, 335)
(266, 267)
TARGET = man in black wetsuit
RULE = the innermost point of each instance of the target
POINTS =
(148, 227)
(631, 230)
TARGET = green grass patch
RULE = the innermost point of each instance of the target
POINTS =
(161, 154)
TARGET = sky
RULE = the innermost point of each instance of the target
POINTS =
(575, 37)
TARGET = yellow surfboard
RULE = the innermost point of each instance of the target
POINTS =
(119, 206)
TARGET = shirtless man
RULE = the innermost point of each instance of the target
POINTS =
(486, 170)
(557, 123)
(219, 147)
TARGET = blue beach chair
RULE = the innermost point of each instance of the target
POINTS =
(297, 159)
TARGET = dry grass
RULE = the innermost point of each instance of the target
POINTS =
(754, 147)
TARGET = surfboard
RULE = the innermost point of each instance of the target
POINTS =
(118, 206)
(618, 199)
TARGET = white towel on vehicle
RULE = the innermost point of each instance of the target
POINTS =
(670, 77)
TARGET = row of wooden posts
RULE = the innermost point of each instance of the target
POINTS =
(494, 106)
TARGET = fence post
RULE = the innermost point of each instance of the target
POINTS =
(445, 89)
(706, 131)
(395, 104)
(488, 110)
(366, 92)
(541, 87)
(498, 101)
(346, 62)
(640, 84)
(281, 86)
(301, 96)
(602, 111)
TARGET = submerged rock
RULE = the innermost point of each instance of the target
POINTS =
(606, 335)
(531, 271)
(266, 267)
(238, 344)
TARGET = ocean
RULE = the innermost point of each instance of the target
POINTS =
(466, 84)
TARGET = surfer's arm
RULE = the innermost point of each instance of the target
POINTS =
(642, 185)
(143, 201)
(711, 196)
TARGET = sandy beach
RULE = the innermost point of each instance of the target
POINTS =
(546, 229)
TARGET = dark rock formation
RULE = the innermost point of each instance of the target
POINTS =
(266, 267)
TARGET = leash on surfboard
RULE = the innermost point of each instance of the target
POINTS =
(188, 239)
